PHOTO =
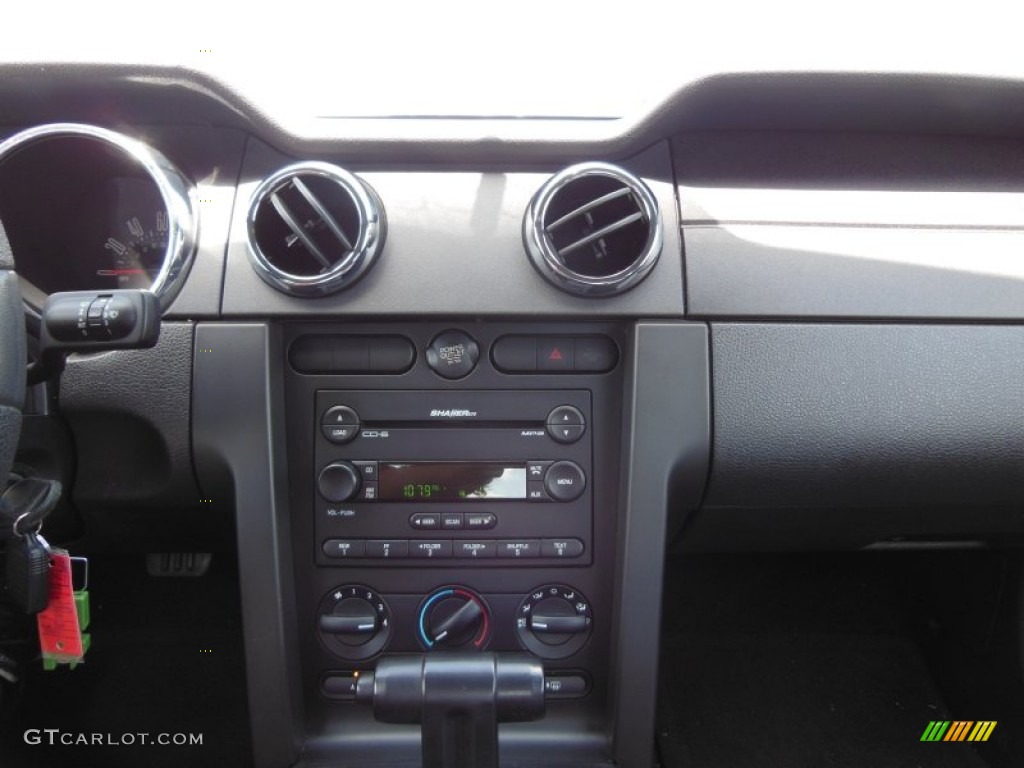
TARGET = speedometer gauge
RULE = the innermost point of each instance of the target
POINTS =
(138, 235)
(90, 209)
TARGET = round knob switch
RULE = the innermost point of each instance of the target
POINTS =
(564, 481)
(453, 354)
(554, 621)
(338, 482)
(454, 617)
(353, 622)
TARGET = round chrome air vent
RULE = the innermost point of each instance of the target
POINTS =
(314, 228)
(593, 229)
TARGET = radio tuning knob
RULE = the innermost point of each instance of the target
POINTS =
(338, 482)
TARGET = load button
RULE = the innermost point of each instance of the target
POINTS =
(564, 481)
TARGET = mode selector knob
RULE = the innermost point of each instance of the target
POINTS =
(554, 621)
(338, 481)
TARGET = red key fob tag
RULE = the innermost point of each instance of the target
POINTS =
(59, 633)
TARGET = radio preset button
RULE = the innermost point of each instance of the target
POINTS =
(561, 548)
(453, 354)
(344, 548)
(452, 521)
(425, 521)
(519, 548)
(474, 549)
(388, 549)
(480, 521)
(430, 549)
(564, 481)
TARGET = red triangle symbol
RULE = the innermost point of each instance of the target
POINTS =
(555, 354)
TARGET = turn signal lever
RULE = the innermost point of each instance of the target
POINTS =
(93, 321)
(458, 700)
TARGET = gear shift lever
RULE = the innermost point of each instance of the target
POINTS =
(458, 700)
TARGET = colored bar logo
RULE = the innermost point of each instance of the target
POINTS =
(959, 730)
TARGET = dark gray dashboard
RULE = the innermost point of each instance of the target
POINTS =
(828, 354)
(793, 202)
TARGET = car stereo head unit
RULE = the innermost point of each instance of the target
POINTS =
(481, 477)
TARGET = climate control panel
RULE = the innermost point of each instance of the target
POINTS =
(356, 623)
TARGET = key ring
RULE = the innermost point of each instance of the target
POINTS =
(22, 516)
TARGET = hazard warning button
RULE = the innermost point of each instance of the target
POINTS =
(555, 354)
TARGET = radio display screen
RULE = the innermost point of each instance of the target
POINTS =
(451, 481)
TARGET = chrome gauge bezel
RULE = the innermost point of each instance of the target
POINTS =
(179, 196)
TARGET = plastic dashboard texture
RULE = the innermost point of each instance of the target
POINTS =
(922, 424)
(842, 225)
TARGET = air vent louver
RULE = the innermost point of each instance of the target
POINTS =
(314, 229)
(593, 229)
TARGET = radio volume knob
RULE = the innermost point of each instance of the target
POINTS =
(338, 482)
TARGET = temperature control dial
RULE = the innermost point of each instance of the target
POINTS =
(353, 622)
(554, 621)
(454, 617)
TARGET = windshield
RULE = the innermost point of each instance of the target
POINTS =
(451, 58)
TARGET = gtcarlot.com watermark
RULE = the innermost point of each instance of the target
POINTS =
(55, 736)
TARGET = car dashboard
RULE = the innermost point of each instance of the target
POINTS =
(457, 385)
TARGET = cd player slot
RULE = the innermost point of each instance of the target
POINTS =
(398, 425)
